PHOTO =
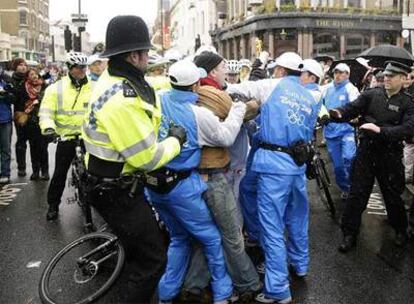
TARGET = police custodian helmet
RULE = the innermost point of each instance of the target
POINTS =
(126, 34)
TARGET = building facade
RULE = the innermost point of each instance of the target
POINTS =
(339, 28)
(5, 45)
(27, 20)
(190, 24)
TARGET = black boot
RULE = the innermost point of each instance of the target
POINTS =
(52, 213)
(35, 175)
(348, 243)
(45, 176)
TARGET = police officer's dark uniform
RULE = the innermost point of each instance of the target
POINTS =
(379, 155)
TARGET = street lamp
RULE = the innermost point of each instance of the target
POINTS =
(283, 34)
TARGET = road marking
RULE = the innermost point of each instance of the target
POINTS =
(9, 192)
(376, 204)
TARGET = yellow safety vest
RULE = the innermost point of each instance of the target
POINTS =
(159, 82)
(63, 107)
(121, 127)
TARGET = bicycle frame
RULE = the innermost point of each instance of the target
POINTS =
(78, 180)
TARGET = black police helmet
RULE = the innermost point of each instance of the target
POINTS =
(126, 34)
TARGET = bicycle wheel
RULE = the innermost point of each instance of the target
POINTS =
(323, 183)
(83, 270)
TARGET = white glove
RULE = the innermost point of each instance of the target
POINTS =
(264, 57)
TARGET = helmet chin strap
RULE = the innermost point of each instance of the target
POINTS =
(78, 82)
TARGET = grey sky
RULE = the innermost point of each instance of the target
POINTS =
(101, 11)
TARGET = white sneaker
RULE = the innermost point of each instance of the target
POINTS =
(234, 297)
(261, 268)
(261, 298)
(4, 180)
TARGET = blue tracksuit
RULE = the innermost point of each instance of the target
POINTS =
(183, 210)
(288, 115)
(340, 138)
(248, 195)
(248, 184)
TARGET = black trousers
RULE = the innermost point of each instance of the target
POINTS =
(383, 162)
(38, 148)
(21, 146)
(65, 152)
(131, 219)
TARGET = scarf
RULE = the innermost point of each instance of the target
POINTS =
(210, 82)
(33, 89)
(135, 76)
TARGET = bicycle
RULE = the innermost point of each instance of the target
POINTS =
(83, 270)
(322, 177)
(87, 267)
(77, 181)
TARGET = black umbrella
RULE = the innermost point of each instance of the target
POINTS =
(358, 71)
(378, 55)
(324, 57)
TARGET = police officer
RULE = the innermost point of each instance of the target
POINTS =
(388, 118)
(281, 183)
(61, 113)
(340, 138)
(120, 133)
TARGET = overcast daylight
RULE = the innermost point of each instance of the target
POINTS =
(207, 151)
(101, 11)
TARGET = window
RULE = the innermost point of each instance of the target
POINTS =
(353, 3)
(23, 17)
(203, 24)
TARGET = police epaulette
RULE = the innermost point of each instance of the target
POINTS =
(129, 91)
(405, 92)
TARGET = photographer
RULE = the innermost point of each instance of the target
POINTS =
(5, 128)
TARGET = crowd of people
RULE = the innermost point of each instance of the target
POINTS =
(223, 147)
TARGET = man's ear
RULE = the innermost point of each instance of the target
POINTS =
(134, 57)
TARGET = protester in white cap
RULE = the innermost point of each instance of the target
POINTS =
(182, 206)
(287, 119)
(340, 138)
(96, 66)
(311, 76)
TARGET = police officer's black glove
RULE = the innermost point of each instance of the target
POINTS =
(324, 120)
(178, 132)
(50, 135)
(335, 114)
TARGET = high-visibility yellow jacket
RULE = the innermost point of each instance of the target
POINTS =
(120, 127)
(159, 82)
(63, 107)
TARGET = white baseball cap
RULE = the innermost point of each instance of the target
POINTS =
(185, 73)
(312, 66)
(289, 60)
(94, 58)
(342, 67)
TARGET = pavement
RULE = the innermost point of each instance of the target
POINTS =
(376, 272)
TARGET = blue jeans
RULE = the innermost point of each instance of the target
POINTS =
(220, 200)
(5, 148)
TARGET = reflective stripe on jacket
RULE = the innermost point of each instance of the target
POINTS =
(125, 129)
(63, 107)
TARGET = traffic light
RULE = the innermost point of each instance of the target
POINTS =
(68, 39)
(76, 43)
